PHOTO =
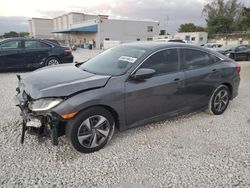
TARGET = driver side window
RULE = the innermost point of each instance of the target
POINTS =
(163, 62)
(10, 45)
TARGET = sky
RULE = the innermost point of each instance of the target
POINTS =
(14, 14)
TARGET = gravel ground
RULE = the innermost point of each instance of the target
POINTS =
(198, 150)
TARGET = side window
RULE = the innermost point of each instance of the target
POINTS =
(241, 48)
(150, 28)
(163, 62)
(214, 59)
(193, 59)
(32, 44)
(10, 45)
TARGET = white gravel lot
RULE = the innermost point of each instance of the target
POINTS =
(198, 150)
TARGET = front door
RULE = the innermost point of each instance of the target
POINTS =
(158, 95)
(11, 56)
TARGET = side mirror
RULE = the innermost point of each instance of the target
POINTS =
(143, 74)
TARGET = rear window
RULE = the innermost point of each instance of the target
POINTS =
(193, 59)
(32, 44)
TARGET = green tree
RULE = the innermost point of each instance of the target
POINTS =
(13, 34)
(10, 34)
(190, 27)
(220, 15)
(23, 34)
(244, 19)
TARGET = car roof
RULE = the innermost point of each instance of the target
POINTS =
(23, 38)
(155, 45)
(152, 46)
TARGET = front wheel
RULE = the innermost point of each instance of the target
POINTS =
(219, 100)
(91, 130)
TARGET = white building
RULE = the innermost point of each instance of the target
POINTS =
(83, 29)
(193, 37)
(41, 28)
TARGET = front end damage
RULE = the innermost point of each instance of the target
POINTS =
(43, 124)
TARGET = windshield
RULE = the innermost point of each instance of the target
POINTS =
(228, 47)
(115, 61)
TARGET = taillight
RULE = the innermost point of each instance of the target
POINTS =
(237, 68)
(67, 50)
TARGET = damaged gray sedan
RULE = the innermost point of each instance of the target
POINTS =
(124, 87)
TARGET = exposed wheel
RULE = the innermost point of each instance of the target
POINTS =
(219, 100)
(91, 129)
(234, 57)
(52, 61)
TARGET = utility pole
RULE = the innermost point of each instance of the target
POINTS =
(167, 19)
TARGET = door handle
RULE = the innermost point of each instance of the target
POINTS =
(177, 79)
(214, 70)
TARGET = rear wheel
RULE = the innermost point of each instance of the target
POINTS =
(91, 129)
(52, 61)
(219, 100)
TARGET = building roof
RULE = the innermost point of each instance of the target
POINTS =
(42, 18)
(83, 29)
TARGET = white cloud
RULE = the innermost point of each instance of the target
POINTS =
(170, 12)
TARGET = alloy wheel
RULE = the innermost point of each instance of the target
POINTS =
(93, 131)
(221, 100)
(53, 62)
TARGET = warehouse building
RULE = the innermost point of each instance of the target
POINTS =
(84, 29)
(198, 38)
(41, 28)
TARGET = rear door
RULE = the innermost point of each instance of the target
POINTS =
(202, 73)
(11, 56)
(36, 52)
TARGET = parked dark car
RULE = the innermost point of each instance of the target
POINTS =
(24, 54)
(176, 40)
(212, 45)
(124, 87)
(236, 52)
(170, 40)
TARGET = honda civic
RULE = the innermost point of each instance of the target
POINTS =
(124, 87)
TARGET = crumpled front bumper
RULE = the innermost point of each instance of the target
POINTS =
(41, 124)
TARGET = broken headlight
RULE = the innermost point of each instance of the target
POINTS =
(44, 104)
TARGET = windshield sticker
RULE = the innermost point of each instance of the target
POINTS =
(128, 59)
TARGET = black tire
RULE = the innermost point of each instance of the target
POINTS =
(233, 57)
(217, 105)
(77, 127)
(52, 59)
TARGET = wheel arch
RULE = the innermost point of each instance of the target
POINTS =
(53, 56)
(230, 87)
(111, 110)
